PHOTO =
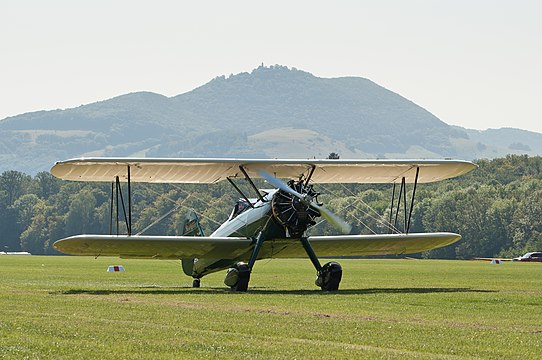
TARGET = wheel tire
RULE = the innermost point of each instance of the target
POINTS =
(244, 277)
(196, 283)
(331, 274)
(333, 282)
(242, 284)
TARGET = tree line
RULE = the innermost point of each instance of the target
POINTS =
(497, 209)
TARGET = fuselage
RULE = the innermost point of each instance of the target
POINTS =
(248, 223)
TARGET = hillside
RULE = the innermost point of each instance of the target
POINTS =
(271, 112)
(512, 139)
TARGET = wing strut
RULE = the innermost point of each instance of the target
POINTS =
(313, 167)
(412, 199)
(116, 192)
(251, 183)
(391, 209)
(119, 192)
(129, 204)
(398, 203)
(240, 192)
(402, 193)
(247, 178)
(111, 211)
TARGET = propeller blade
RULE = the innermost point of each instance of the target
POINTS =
(332, 218)
(280, 184)
(335, 221)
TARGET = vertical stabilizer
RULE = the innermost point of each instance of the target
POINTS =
(191, 226)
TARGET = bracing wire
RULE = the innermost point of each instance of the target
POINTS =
(376, 216)
(159, 219)
(184, 206)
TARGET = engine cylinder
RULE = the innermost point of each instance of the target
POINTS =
(295, 214)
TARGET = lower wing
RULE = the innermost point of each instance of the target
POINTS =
(359, 245)
(177, 247)
(154, 247)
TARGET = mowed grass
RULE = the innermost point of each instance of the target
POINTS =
(70, 307)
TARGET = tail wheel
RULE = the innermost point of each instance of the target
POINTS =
(291, 212)
(329, 277)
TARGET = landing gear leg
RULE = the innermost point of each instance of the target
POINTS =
(328, 277)
(196, 283)
(238, 275)
(259, 242)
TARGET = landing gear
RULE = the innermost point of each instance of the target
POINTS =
(196, 283)
(329, 276)
(238, 276)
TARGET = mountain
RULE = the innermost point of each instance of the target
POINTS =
(515, 140)
(270, 112)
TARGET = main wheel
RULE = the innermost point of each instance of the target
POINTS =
(329, 277)
(196, 283)
(242, 283)
(238, 277)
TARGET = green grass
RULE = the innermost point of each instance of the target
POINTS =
(70, 307)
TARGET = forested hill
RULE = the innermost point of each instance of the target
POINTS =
(496, 208)
(270, 112)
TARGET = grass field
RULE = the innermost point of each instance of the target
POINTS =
(70, 307)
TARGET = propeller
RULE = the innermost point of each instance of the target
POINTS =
(332, 218)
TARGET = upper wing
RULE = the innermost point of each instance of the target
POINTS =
(359, 245)
(154, 247)
(163, 170)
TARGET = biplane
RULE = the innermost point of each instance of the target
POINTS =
(270, 223)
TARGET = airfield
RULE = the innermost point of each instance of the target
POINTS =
(71, 307)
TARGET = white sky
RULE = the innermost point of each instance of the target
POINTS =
(474, 63)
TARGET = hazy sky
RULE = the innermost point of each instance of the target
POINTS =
(472, 63)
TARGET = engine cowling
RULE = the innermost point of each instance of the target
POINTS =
(295, 214)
